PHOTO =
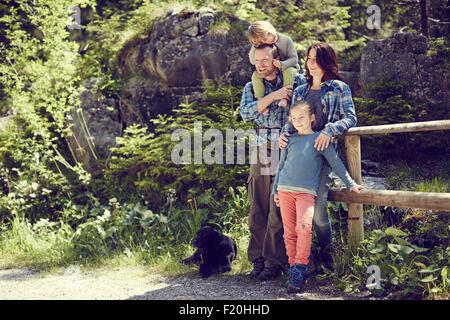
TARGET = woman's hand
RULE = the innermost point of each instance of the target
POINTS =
(357, 189)
(322, 142)
(277, 200)
(283, 140)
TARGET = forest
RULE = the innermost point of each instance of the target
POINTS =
(91, 92)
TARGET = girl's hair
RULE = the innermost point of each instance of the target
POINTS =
(258, 31)
(326, 59)
(302, 104)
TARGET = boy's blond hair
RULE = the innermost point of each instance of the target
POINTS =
(258, 31)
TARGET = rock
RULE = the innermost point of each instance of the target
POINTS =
(96, 126)
(206, 19)
(377, 183)
(368, 165)
(352, 79)
(404, 59)
(192, 31)
(172, 62)
(420, 45)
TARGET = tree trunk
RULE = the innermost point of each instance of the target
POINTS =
(423, 17)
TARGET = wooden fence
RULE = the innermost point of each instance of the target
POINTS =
(400, 199)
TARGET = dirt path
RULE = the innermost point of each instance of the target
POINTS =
(138, 284)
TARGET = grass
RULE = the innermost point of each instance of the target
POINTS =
(434, 185)
(418, 176)
(47, 246)
(23, 245)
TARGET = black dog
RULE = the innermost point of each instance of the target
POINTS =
(215, 252)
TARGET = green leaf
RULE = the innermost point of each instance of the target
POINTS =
(405, 251)
(396, 272)
(444, 273)
(429, 270)
(419, 249)
(163, 219)
(393, 247)
(402, 242)
(376, 250)
(394, 281)
(420, 265)
(393, 232)
(147, 214)
(429, 278)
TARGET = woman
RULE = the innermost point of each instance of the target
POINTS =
(334, 112)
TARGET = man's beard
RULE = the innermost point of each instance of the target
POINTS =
(265, 73)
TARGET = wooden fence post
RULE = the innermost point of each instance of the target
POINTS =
(355, 211)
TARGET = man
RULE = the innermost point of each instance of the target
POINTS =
(266, 248)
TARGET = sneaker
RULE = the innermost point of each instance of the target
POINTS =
(297, 278)
(270, 273)
(311, 270)
(258, 267)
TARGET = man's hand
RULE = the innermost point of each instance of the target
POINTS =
(283, 93)
(277, 64)
(322, 142)
(264, 102)
(283, 140)
(277, 200)
(357, 188)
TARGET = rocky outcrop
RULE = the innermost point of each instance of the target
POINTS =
(405, 59)
(352, 79)
(159, 70)
(170, 64)
(96, 124)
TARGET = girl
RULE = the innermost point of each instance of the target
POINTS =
(334, 111)
(296, 185)
(262, 32)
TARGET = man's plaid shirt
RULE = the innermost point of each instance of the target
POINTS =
(276, 117)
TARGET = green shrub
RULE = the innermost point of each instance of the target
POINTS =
(389, 107)
(41, 86)
(142, 162)
(407, 270)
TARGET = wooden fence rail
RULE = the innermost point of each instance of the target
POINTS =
(402, 199)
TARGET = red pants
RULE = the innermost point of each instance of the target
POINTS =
(297, 210)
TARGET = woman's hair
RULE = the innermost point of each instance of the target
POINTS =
(302, 104)
(326, 59)
(258, 31)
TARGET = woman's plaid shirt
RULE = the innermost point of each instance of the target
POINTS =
(338, 105)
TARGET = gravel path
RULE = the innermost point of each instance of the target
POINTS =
(139, 284)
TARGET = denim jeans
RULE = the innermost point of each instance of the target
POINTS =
(321, 221)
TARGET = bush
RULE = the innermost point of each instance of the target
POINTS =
(407, 270)
(142, 162)
(389, 107)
